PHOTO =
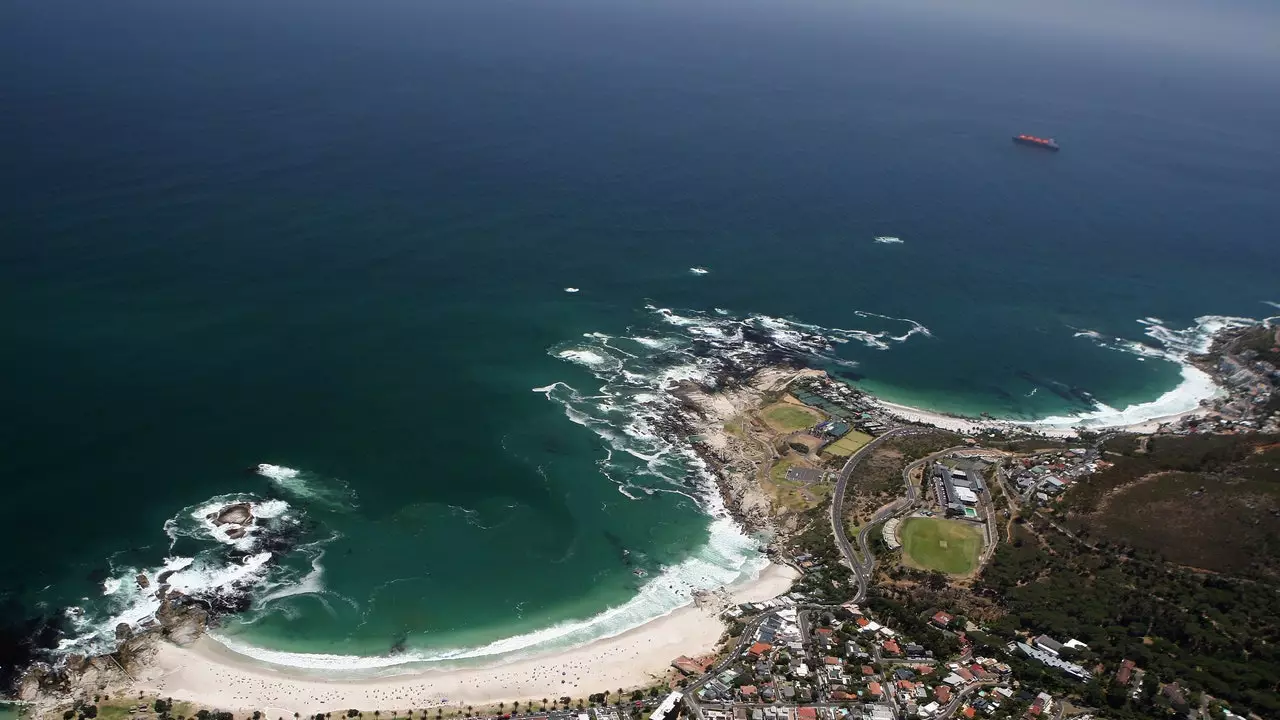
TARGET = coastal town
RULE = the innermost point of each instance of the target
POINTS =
(891, 531)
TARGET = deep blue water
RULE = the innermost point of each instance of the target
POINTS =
(335, 236)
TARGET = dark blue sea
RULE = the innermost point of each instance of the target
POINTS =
(335, 238)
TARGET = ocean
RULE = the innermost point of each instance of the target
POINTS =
(413, 278)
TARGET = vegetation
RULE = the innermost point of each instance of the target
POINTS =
(949, 546)
(1115, 587)
(878, 477)
(1209, 501)
(788, 417)
(848, 445)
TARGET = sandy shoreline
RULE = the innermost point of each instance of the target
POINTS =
(210, 674)
(972, 426)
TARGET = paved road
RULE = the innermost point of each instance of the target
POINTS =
(837, 513)
(862, 568)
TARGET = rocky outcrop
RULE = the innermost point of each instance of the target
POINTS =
(237, 514)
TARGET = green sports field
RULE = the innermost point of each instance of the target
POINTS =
(935, 544)
(785, 417)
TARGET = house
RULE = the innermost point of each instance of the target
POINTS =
(867, 670)
(1048, 644)
(904, 674)
(1053, 661)
(906, 685)
(828, 660)
(953, 680)
(1125, 673)
(964, 674)
(759, 649)
(943, 694)
(914, 650)
(874, 688)
(891, 647)
(668, 709)
(1175, 696)
(687, 665)
(929, 710)
(748, 691)
(807, 713)
(942, 619)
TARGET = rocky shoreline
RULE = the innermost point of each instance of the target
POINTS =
(45, 677)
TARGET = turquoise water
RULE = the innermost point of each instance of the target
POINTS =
(336, 239)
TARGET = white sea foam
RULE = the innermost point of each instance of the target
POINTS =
(308, 486)
(134, 606)
(699, 270)
(571, 289)
(1170, 345)
(727, 558)
(276, 472)
(589, 358)
(889, 240)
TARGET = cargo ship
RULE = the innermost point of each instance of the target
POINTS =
(1033, 141)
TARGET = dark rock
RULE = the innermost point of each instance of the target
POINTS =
(143, 582)
(239, 514)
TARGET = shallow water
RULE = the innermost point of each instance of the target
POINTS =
(337, 241)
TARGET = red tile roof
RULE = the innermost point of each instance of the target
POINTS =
(943, 693)
(863, 622)
(942, 618)
(760, 648)
(807, 713)
(868, 670)
(892, 646)
(874, 687)
(831, 660)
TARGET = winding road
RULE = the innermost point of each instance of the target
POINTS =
(862, 567)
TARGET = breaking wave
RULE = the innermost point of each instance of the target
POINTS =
(727, 558)
(222, 562)
(309, 486)
(632, 407)
(1163, 343)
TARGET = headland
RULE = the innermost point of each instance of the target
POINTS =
(779, 439)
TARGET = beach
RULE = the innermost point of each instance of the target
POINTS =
(973, 426)
(209, 674)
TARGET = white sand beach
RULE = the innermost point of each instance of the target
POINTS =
(209, 674)
(973, 426)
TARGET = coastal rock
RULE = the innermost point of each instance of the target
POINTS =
(143, 582)
(236, 532)
(123, 631)
(185, 625)
(238, 514)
